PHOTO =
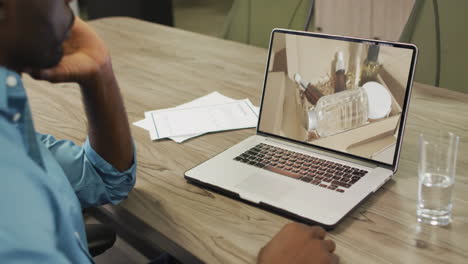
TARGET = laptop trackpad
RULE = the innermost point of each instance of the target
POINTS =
(262, 187)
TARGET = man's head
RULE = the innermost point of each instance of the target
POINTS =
(32, 32)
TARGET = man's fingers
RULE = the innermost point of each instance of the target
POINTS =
(334, 259)
(318, 232)
(51, 75)
(329, 245)
(58, 74)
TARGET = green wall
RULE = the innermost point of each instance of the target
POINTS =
(250, 21)
(454, 44)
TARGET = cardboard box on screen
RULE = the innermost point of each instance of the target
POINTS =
(285, 108)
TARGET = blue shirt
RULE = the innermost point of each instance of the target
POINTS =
(45, 183)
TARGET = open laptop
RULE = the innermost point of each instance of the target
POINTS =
(330, 129)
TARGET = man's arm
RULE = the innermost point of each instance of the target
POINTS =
(94, 180)
(108, 129)
(103, 170)
(87, 62)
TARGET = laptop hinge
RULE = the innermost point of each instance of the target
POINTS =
(325, 153)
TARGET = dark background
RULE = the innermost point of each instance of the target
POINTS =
(158, 11)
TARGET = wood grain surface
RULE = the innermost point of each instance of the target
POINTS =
(159, 67)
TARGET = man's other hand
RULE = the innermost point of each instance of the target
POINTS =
(298, 243)
(85, 57)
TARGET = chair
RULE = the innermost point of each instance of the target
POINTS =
(438, 29)
(100, 238)
(251, 21)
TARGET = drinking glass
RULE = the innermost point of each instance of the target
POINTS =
(437, 169)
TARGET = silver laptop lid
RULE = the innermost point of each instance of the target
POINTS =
(345, 95)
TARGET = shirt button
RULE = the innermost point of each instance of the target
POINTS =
(11, 81)
(16, 117)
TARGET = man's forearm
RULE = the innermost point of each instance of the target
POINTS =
(109, 132)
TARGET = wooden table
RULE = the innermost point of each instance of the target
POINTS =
(160, 67)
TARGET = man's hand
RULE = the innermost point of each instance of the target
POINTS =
(85, 58)
(298, 243)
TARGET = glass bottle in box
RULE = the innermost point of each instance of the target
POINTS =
(349, 109)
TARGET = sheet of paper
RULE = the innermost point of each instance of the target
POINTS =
(144, 123)
(188, 121)
(210, 99)
(181, 139)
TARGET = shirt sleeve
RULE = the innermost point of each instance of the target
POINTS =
(94, 180)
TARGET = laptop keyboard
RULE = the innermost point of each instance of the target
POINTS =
(323, 173)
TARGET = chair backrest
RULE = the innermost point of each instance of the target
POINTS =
(449, 68)
(251, 21)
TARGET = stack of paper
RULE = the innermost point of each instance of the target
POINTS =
(211, 113)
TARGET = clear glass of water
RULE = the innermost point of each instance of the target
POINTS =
(437, 169)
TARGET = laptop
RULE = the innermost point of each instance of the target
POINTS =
(330, 129)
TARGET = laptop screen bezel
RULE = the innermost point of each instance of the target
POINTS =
(404, 113)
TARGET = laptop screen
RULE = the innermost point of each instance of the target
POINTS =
(341, 94)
